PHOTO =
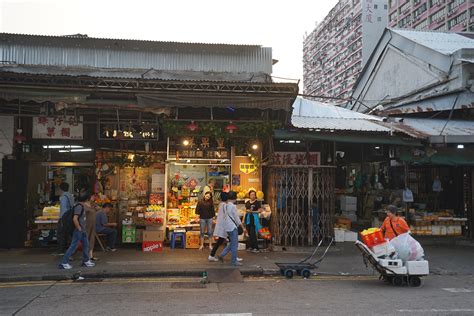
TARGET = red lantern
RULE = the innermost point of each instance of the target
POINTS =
(231, 128)
(193, 127)
(19, 138)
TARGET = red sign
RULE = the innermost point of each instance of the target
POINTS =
(152, 246)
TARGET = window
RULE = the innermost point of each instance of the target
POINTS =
(385, 6)
(379, 19)
(376, 6)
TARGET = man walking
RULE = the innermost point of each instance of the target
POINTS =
(66, 203)
(79, 234)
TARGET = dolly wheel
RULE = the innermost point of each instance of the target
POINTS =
(289, 273)
(305, 273)
(397, 281)
(414, 281)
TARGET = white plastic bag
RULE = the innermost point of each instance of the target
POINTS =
(407, 248)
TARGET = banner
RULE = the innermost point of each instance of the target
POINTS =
(59, 127)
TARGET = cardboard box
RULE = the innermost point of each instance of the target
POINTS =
(192, 239)
(418, 267)
(350, 236)
(153, 235)
(338, 235)
(242, 246)
(152, 246)
(139, 235)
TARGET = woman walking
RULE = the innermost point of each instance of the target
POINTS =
(231, 223)
(206, 212)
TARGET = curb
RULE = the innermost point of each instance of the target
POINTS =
(116, 275)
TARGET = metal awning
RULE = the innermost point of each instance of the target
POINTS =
(442, 131)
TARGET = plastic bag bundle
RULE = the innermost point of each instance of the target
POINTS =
(407, 248)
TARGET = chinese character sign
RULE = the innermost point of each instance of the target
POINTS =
(297, 158)
(60, 127)
(369, 11)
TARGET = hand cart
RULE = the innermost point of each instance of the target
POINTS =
(304, 266)
(395, 271)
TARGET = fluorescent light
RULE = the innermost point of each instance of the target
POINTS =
(77, 150)
(60, 146)
(377, 147)
(460, 146)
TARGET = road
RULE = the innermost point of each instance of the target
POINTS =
(321, 295)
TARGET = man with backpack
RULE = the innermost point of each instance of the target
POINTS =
(79, 234)
(66, 203)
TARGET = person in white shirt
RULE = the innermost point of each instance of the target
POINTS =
(231, 222)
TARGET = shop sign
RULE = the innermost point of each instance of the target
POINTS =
(209, 154)
(297, 158)
(58, 127)
(128, 131)
(247, 168)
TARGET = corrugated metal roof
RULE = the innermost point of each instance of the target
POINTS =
(315, 115)
(133, 54)
(151, 74)
(424, 128)
(442, 42)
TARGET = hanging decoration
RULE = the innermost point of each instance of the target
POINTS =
(231, 128)
(192, 127)
(19, 137)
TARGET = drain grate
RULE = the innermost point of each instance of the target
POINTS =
(187, 285)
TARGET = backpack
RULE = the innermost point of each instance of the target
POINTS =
(66, 221)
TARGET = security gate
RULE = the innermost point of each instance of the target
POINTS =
(302, 200)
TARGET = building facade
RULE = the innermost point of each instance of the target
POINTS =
(337, 49)
(439, 15)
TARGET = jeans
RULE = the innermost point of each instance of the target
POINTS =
(76, 237)
(233, 246)
(206, 223)
(216, 246)
(111, 235)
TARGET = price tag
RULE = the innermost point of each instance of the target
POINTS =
(141, 215)
(129, 214)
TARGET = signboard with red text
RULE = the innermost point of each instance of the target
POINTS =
(58, 127)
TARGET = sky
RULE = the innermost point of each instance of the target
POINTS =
(280, 24)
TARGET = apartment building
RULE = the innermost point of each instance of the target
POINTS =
(439, 15)
(337, 49)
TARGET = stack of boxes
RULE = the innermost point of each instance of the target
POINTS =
(349, 207)
(153, 239)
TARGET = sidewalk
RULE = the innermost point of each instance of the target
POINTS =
(342, 259)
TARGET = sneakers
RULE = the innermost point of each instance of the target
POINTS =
(255, 251)
(212, 259)
(238, 264)
(88, 264)
(239, 259)
(65, 266)
(110, 249)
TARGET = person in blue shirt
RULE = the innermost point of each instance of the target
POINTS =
(66, 202)
(102, 226)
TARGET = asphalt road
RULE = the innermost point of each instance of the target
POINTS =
(320, 295)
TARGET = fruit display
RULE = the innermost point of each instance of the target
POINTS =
(156, 198)
(49, 213)
(154, 214)
(101, 199)
(243, 193)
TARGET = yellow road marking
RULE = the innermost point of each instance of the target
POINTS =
(169, 280)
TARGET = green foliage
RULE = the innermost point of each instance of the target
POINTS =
(217, 129)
